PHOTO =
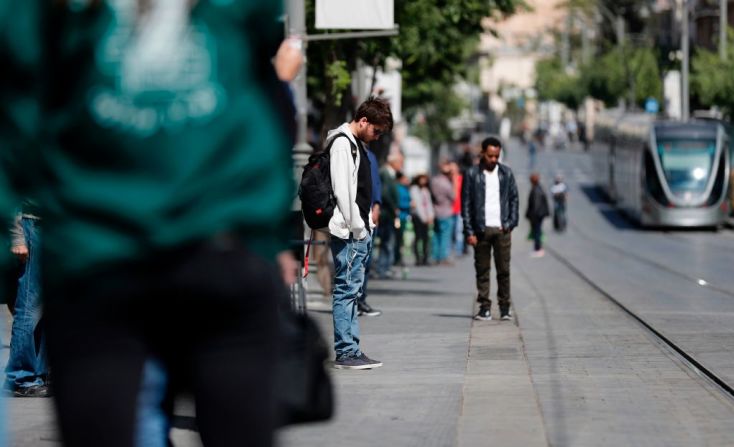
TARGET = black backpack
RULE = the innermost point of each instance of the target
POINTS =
(317, 196)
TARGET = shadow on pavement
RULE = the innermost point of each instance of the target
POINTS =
(454, 316)
(606, 208)
(400, 292)
(595, 194)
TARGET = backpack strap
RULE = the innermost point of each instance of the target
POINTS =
(305, 258)
(339, 135)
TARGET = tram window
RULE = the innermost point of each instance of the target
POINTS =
(687, 164)
(719, 182)
(653, 182)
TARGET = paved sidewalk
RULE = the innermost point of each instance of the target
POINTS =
(447, 379)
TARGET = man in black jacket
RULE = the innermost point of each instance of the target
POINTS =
(489, 207)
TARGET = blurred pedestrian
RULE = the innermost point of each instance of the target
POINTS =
(490, 210)
(537, 211)
(458, 246)
(166, 182)
(324, 266)
(559, 191)
(422, 218)
(352, 223)
(26, 373)
(403, 188)
(442, 190)
(532, 151)
(389, 210)
(364, 308)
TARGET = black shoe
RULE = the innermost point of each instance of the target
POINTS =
(505, 314)
(32, 391)
(365, 309)
(484, 314)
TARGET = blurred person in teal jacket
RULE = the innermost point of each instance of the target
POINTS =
(150, 136)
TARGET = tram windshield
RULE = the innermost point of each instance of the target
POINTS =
(687, 164)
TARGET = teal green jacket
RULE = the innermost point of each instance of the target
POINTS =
(137, 139)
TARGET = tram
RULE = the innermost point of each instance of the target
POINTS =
(663, 173)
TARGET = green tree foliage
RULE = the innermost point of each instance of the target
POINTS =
(435, 40)
(629, 73)
(553, 83)
(712, 80)
(604, 79)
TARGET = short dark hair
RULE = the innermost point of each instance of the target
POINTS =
(377, 111)
(491, 141)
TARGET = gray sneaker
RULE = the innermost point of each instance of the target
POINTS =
(361, 362)
(373, 362)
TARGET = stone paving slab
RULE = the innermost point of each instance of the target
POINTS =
(499, 400)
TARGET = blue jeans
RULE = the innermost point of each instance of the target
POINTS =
(386, 257)
(27, 361)
(442, 240)
(350, 259)
(458, 235)
(154, 422)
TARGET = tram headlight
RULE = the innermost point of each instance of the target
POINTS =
(699, 173)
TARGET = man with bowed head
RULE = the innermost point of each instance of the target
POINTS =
(352, 223)
(489, 209)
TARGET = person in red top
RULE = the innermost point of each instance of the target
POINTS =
(458, 234)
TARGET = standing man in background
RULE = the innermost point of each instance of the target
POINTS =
(388, 214)
(363, 308)
(490, 212)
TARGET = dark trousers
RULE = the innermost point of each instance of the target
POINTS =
(399, 238)
(536, 229)
(421, 245)
(208, 312)
(497, 243)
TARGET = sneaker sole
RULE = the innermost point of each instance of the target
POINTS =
(370, 314)
(370, 366)
(506, 318)
(478, 318)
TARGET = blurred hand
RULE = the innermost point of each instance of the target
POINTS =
(288, 59)
(376, 213)
(21, 252)
(471, 240)
(288, 267)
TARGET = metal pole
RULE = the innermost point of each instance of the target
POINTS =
(297, 28)
(585, 47)
(723, 26)
(566, 43)
(685, 107)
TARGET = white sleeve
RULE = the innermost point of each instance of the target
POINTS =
(341, 168)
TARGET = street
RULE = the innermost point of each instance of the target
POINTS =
(572, 369)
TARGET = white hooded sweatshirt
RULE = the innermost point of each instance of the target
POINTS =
(344, 168)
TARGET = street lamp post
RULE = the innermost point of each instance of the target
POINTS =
(684, 44)
(723, 25)
(297, 28)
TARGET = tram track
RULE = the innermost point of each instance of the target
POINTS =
(700, 281)
(683, 356)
